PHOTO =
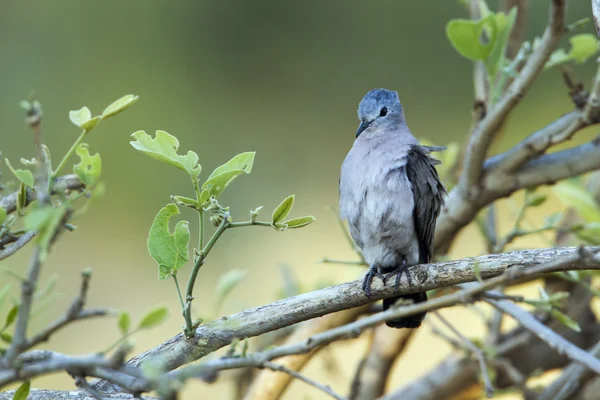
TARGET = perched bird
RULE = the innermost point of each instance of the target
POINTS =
(391, 195)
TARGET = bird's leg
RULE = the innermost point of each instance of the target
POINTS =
(373, 272)
(402, 269)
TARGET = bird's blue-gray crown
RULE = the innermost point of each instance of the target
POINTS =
(380, 108)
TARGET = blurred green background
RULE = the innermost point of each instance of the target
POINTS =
(280, 78)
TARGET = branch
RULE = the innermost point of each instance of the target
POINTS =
(292, 373)
(60, 185)
(210, 337)
(39, 394)
(484, 132)
(546, 334)
(268, 385)
(567, 384)
(18, 244)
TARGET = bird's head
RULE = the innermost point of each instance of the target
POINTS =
(379, 109)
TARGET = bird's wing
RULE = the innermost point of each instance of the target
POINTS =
(428, 195)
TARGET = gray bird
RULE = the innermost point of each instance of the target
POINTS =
(391, 195)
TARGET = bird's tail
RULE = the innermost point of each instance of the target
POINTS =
(414, 321)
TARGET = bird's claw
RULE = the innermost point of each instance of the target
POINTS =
(401, 270)
(366, 286)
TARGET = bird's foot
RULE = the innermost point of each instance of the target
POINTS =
(401, 270)
(366, 286)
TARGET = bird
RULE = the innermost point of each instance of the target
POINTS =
(391, 195)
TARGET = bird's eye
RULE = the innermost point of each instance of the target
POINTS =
(383, 112)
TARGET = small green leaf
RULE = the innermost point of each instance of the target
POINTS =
(119, 105)
(45, 221)
(204, 196)
(2, 215)
(543, 295)
(24, 175)
(21, 198)
(226, 173)
(10, 317)
(154, 318)
(565, 320)
(589, 232)
(81, 116)
(583, 46)
(299, 222)
(163, 147)
(283, 210)
(89, 168)
(254, 213)
(23, 391)
(465, 36)
(6, 337)
(535, 200)
(578, 198)
(227, 282)
(124, 322)
(504, 25)
(169, 250)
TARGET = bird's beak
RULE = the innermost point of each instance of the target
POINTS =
(364, 124)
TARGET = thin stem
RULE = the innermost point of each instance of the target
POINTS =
(179, 292)
(69, 153)
(200, 217)
(248, 223)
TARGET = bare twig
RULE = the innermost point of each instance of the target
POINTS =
(82, 383)
(565, 386)
(596, 13)
(280, 368)
(60, 185)
(479, 354)
(546, 334)
(17, 245)
(267, 385)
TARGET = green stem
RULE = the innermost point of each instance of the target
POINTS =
(200, 217)
(179, 292)
(118, 342)
(248, 223)
(69, 153)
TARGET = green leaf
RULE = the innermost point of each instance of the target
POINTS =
(6, 337)
(154, 318)
(124, 322)
(299, 222)
(45, 221)
(119, 105)
(81, 116)
(24, 175)
(11, 316)
(169, 250)
(578, 198)
(204, 196)
(552, 219)
(565, 320)
(283, 210)
(227, 282)
(589, 232)
(226, 173)
(2, 215)
(23, 391)
(163, 147)
(543, 295)
(465, 36)
(583, 46)
(89, 168)
(536, 199)
(504, 25)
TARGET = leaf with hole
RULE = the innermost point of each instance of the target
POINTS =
(163, 147)
(89, 168)
(169, 250)
(465, 35)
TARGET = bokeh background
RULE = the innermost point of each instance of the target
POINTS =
(280, 78)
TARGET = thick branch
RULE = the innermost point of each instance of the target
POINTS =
(210, 337)
(61, 184)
